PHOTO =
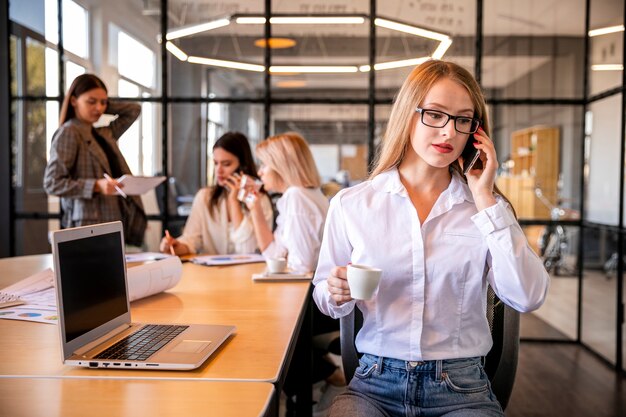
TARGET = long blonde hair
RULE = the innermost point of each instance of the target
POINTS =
(290, 156)
(397, 139)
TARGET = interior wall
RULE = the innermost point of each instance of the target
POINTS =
(602, 199)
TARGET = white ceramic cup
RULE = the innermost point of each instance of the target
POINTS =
(363, 281)
(276, 265)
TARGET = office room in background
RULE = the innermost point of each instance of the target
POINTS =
(551, 71)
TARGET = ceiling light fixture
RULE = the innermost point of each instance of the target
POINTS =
(413, 30)
(303, 20)
(606, 30)
(176, 51)
(252, 20)
(276, 43)
(192, 30)
(225, 64)
(395, 64)
(442, 48)
(313, 69)
(607, 67)
(291, 84)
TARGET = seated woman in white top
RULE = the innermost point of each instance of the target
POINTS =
(440, 238)
(287, 167)
(219, 223)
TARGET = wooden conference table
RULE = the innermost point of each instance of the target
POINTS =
(78, 397)
(268, 316)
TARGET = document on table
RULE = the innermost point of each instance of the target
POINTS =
(146, 256)
(213, 260)
(154, 277)
(38, 294)
(136, 185)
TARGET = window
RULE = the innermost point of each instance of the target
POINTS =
(76, 34)
(135, 61)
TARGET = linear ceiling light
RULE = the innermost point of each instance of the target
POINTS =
(445, 42)
(303, 20)
(442, 48)
(606, 30)
(176, 51)
(413, 30)
(192, 30)
(225, 64)
(395, 64)
(313, 69)
(250, 20)
(607, 67)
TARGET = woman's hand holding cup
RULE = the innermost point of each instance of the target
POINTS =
(363, 281)
(249, 188)
(338, 285)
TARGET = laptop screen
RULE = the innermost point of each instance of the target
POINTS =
(94, 284)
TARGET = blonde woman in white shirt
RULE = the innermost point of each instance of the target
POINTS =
(287, 167)
(219, 223)
(440, 238)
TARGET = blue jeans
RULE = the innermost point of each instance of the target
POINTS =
(392, 387)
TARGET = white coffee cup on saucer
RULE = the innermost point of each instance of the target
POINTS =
(363, 281)
(276, 265)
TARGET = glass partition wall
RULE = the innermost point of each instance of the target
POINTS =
(552, 73)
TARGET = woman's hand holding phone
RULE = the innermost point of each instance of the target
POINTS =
(481, 181)
(232, 185)
(470, 157)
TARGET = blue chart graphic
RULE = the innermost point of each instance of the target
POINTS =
(29, 315)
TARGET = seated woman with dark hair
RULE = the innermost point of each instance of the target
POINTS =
(219, 223)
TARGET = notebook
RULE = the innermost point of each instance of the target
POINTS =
(94, 310)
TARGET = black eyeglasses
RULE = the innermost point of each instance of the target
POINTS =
(438, 119)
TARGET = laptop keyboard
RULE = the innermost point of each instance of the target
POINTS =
(142, 344)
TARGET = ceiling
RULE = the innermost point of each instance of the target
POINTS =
(539, 17)
(348, 44)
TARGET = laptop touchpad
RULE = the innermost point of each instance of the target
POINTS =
(191, 346)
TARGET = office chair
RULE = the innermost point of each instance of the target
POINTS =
(500, 363)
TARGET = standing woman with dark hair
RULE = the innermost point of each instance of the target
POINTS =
(219, 223)
(82, 156)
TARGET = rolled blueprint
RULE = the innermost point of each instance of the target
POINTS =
(153, 278)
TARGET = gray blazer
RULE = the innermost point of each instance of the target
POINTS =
(77, 161)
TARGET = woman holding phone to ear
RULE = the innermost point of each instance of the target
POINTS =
(440, 237)
(219, 223)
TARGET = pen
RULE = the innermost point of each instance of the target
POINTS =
(118, 189)
(169, 241)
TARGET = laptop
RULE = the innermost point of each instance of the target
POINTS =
(94, 310)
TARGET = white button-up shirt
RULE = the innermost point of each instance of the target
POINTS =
(299, 228)
(431, 300)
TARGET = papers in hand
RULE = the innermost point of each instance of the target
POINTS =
(212, 260)
(282, 276)
(135, 185)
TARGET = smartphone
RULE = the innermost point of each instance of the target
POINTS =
(471, 156)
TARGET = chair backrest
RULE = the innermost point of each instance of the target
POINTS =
(500, 363)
